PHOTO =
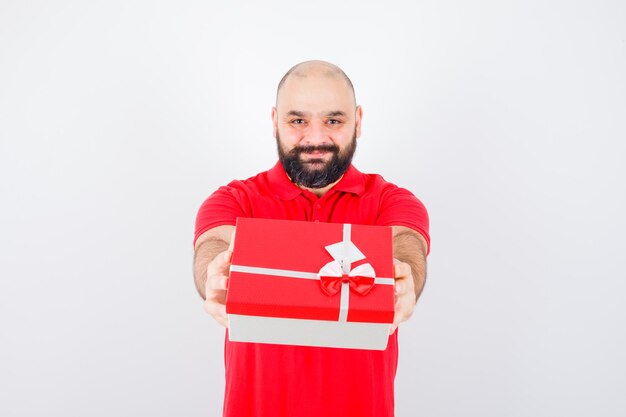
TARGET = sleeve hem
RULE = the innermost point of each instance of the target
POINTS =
(422, 232)
(209, 227)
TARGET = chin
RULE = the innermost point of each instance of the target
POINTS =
(315, 165)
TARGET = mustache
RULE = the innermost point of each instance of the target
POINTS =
(316, 148)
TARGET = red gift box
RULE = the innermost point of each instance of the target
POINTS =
(311, 283)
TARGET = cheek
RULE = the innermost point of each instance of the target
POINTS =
(290, 136)
(342, 137)
(287, 139)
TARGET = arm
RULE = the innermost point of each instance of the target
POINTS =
(213, 250)
(410, 247)
(409, 251)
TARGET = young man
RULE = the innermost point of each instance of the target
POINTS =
(316, 125)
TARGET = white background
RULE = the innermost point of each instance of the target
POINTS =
(507, 119)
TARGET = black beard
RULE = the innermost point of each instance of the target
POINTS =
(315, 173)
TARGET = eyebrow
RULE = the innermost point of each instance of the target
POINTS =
(296, 113)
(335, 113)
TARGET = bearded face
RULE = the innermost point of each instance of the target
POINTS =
(316, 172)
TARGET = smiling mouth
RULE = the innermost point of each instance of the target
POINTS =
(316, 154)
(314, 161)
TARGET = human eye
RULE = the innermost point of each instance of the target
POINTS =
(297, 121)
(333, 122)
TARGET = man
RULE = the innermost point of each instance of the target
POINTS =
(316, 123)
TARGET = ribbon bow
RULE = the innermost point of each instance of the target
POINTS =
(361, 278)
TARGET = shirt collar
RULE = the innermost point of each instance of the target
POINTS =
(352, 181)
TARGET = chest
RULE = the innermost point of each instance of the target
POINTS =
(337, 207)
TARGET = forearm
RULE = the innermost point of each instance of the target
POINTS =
(409, 247)
(208, 245)
(203, 255)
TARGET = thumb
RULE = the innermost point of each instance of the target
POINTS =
(231, 246)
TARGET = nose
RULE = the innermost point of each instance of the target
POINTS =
(316, 134)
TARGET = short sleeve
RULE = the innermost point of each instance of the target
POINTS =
(220, 208)
(399, 207)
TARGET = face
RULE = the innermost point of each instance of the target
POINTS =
(306, 170)
(316, 124)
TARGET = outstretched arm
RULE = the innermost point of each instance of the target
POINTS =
(409, 251)
(213, 251)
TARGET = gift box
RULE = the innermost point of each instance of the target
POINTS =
(311, 284)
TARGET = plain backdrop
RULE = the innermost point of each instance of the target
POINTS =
(506, 118)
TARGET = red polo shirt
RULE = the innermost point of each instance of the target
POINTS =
(266, 380)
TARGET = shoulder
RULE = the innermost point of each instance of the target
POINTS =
(398, 206)
(224, 205)
(240, 188)
(376, 184)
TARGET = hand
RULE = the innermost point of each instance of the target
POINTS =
(218, 272)
(404, 293)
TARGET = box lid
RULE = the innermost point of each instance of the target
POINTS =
(276, 266)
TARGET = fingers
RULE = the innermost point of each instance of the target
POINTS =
(216, 286)
(404, 294)
(231, 246)
(217, 282)
(401, 269)
(215, 304)
(399, 286)
(217, 311)
(220, 265)
(218, 272)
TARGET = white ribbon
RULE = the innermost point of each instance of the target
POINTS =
(334, 269)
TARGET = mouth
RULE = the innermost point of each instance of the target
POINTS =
(316, 154)
(314, 162)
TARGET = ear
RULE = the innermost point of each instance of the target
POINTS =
(357, 119)
(274, 121)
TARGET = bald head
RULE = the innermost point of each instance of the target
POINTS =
(309, 69)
